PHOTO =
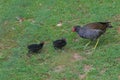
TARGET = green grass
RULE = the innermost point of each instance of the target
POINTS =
(41, 18)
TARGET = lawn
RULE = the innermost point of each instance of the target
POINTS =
(24, 22)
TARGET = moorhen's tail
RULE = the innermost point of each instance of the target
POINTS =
(107, 24)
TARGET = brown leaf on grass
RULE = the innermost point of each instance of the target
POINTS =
(59, 24)
(82, 76)
(87, 68)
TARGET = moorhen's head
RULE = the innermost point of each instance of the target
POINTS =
(63, 39)
(42, 43)
(75, 28)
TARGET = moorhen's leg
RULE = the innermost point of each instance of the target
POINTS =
(87, 44)
(96, 44)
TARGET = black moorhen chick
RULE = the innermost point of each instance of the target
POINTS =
(59, 44)
(35, 48)
(92, 31)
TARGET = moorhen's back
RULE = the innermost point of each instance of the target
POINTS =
(98, 25)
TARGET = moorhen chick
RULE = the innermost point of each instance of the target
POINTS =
(92, 31)
(35, 48)
(60, 43)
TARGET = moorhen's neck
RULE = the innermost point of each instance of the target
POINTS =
(78, 29)
(41, 44)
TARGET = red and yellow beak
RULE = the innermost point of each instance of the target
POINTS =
(73, 29)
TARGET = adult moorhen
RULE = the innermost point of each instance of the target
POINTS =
(92, 31)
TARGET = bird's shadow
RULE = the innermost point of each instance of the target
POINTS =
(30, 54)
(62, 50)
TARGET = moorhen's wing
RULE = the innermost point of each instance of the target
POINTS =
(96, 25)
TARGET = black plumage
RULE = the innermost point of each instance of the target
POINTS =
(59, 44)
(92, 31)
(35, 48)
